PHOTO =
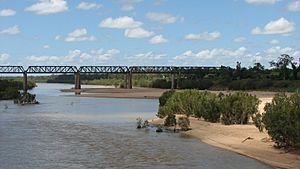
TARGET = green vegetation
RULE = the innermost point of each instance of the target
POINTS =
(236, 108)
(184, 123)
(282, 120)
(170, 120)
(9, 89)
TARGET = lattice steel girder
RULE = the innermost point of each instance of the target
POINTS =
(11, 69)
(52, 69)
(152, 69)
(103, 69)
(194, 69)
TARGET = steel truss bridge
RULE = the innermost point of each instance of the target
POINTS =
(126, 70)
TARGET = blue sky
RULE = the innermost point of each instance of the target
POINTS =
(148, 32)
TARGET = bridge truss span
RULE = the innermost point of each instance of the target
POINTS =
(52, 69)
(11, 69)
(103, 69)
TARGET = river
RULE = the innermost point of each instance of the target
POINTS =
(75, 132)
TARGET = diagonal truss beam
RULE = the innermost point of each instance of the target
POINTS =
(11, 69)
(52, 69)
(103, 69)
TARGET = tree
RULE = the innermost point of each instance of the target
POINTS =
(282, 64)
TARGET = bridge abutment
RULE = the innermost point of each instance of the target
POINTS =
(25, 82)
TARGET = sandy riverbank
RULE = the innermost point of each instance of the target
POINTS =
(135, 93)
(231, 137)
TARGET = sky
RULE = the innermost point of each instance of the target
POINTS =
(148, 32)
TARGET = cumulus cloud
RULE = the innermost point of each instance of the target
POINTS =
(45, 7)
(7, 12)
(79, 35)
(294, 6)
(138, 33)
(123, 22)
(209, 54)
(4, 57)
(164, 18)
(88, 6)
(148, 58)
(128, 5)
(239, 39)
(203, 36)
(274, 42)
(11, 30)
(76, 57)
(261, 1)
(280, 26)
(158, 39)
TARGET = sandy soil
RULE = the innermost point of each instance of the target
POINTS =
(135, 93)
(232, 137)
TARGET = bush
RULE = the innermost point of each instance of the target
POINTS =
(165, 96)
(170, 120)
(238, 107)
(208, 107)
(184, 123)
(282, 120)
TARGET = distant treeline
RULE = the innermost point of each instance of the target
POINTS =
(9, 89)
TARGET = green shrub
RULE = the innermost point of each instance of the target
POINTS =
(208, 107)
(282, 120)
(238, 107)
(170, 120)
(165, 96)
(184, 123)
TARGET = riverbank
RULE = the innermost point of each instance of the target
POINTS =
(243, 139)
(135, 93)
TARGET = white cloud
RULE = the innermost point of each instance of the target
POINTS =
(45, 7)
(124, 22)
(7, 12)
(88, 6)
(149, 58)
(79, 35)
(274, 42)
(277, 50)
(239, 39)
(76, 57)
(164, 18)
(57, 37)
(158, 39)
(137, 33)
(11, 30)
(46, 46)
(4, 57)
(212, 54)
(204, 36)
(280, 26)
(261, 1)
(294, 6)
(128, 5)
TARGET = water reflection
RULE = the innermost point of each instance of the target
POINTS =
(75, 132)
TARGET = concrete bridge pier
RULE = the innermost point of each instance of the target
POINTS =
(129, 80)
(172, 81)
(77, 80)
(125, 81)
(25, 82)
(178, 80)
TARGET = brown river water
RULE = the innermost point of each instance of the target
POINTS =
(75, 132)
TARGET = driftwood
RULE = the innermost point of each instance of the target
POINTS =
(248, 138)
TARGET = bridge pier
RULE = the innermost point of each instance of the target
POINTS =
(129, 79)
(25, 82)
(172, 81)
(178, 80)
(77, 80)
